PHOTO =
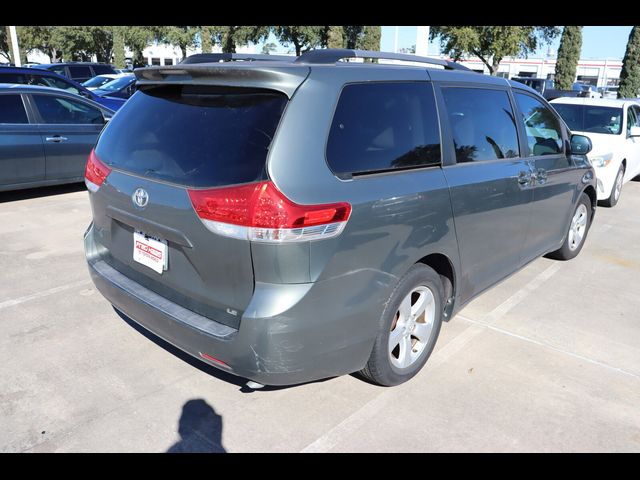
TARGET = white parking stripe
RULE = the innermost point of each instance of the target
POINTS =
(363, 415)
(44, 293)
(548, 345)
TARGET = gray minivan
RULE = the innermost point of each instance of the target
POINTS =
(292, 220)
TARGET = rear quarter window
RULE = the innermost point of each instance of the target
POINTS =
(12, 109)
(194, 136)
(384, 126)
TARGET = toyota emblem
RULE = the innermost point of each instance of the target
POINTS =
(140, 198)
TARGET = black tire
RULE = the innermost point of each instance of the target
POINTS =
(379, 368)
(566, 252)
(612, 201)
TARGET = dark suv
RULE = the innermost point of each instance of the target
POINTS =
(79, 71)
(46, 78)
(299, 219)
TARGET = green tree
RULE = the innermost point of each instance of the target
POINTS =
(5, 43)
(491, 44)
(352, 36)
(303, 38)
(36, 37)
(205, 39)
(230, 37)
(568, 56)
(137, 38)
(333, 37)
(370, 39)
(630, 74)
(118, 47)
(182, 36)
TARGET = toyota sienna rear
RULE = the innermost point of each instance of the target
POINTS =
(287, 221)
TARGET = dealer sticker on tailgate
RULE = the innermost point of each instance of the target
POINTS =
(150, 252)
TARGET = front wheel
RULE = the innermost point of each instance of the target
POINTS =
(578, 228)
(409, 327)
(616, 190)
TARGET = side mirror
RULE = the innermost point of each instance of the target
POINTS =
(580, 145)
(634, 132)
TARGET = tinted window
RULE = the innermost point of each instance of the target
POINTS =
(63, 110)
(59, 70)
(13, 78)
(194, 136)
(482, 123)
(100, 69)
(382, 126)
(77, 71)
(632, 118)
(53, 82)
(544, 133)
(12, 109)
(589, 118)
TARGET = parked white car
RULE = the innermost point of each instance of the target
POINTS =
(614, 129)
(100, 80)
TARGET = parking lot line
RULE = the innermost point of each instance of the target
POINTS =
(547, 345)
(44, 293)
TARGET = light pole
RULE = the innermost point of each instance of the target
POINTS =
(14, 45)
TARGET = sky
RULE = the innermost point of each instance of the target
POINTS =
(597, 41)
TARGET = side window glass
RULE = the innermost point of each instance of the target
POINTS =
(60, 71)
(54, 83)
(544, 131)
(483, 124)
(384, 126)
(12, 109)
(632, 118)
(62, 110)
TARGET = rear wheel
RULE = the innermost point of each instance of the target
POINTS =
(578, 228)
(409, 327)
(616, 190)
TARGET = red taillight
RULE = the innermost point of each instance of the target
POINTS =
(95, 172)
(260, 212)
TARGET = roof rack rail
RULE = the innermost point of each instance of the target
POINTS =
(228, 57)
(332, 55)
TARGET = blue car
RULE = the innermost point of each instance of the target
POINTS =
(37, 76)
(121, 87)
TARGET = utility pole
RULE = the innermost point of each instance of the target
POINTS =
(14, 46)
(395, 41)
(422, 41)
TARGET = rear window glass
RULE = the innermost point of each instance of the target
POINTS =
(384, 126)
(194, 136)
(12, 109)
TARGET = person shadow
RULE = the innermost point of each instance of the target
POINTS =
(200, 429)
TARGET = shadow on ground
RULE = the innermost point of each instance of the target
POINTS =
(200, 429)
(29, 193)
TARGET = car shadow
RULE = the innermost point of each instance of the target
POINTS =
(29, 193)
(202, 366)
(200, 429)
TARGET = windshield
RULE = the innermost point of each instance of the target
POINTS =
(98, 81)
(589, 118)
(117, 84)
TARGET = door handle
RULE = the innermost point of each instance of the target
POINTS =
(56, 139)
(524, 178)
(541, 176)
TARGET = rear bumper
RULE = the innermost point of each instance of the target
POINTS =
(289, 334)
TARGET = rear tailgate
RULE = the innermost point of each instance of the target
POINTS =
(170, 138)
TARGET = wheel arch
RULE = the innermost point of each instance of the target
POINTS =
(443, 266)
